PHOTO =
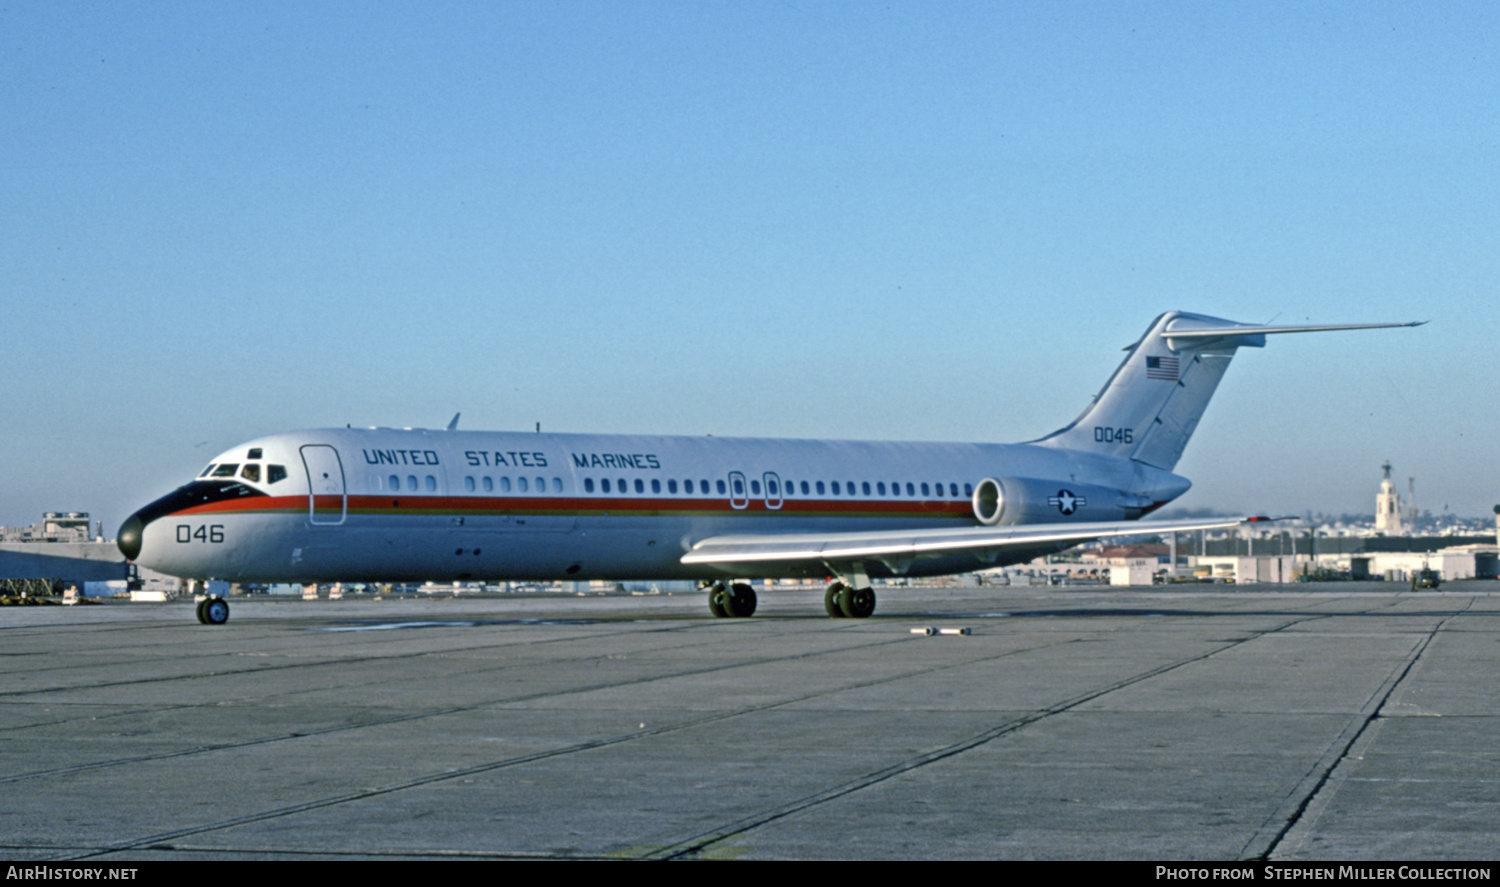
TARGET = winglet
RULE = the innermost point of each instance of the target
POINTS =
(454, 424)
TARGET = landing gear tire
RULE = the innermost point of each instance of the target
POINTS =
(831, 600)
(214, 611)
(201, 619)
(857, 603)
(739, 601)
(717, 594)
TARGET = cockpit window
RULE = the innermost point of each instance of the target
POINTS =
(275, 473)
(253, 454)
(226, 470)
(205, 471)
(251, 473)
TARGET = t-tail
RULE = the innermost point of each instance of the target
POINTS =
(1149, 408)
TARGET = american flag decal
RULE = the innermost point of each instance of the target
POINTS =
(1164, 368)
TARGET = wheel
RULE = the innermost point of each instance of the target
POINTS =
(215, 611)
(739, 600)
(857, 603)
(831, 600)
(716, 596)
(201, 619)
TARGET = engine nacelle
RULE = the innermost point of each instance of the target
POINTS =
(1014, 500)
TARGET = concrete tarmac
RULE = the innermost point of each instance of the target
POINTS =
(1346, 721)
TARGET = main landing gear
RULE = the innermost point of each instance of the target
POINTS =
(737, 600)
(843, 600)
(213, 611)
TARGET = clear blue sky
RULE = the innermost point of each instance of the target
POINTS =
(933, 221)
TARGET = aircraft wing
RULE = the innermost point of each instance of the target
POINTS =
(898, 549)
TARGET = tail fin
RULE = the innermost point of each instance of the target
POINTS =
(1150, 407)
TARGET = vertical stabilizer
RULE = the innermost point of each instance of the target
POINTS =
(1149, 408)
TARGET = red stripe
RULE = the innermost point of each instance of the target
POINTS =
(564, 505)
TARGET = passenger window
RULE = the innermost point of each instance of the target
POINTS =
(820, 488)
(588, 485)
(835, 488)
(866, 487)
(431, 483)
(251, 473)
(604, 484)
(721, 487)
(393, 482)
(687, 487)
(924, 491)
(640, 485)
(953, 490)
(226, 470)
(489, 485)
(880, 487)
(521, 485)
(968, 490)
(805, 490)
(671, 486)
(655, 485)
(411, 483)
(541, 485)
(505, 485)
(755, 487)
(557, 485)
(624, 486)
(910, 490)
(469, 484)
(739, 487)
(771, 488)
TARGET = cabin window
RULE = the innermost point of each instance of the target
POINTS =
(671, 486)
(953, 490)
(588, 485)
(521, 484)
(431, 483)
(411, 482)
(393, 482)
(820, 487)
(655, 485)
(275, 473)
(880, 487)
(835, 487)
(604, 484)
(505, 485)
(251, 473)
(924, 491)
(771, 488)
(469, 484)
(624, 486)
(968, 489)
(755, 487)
(866, 487)
(557, 485)
(911, 490)
(541, 485)
(806, 491)
(640, 485)
(489, 485)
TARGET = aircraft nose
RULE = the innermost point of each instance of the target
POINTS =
(130, 536)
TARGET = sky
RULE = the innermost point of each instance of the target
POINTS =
(904, 221)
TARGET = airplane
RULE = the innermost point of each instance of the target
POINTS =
(414, 505)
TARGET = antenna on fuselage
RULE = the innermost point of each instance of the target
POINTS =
(454, 424)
